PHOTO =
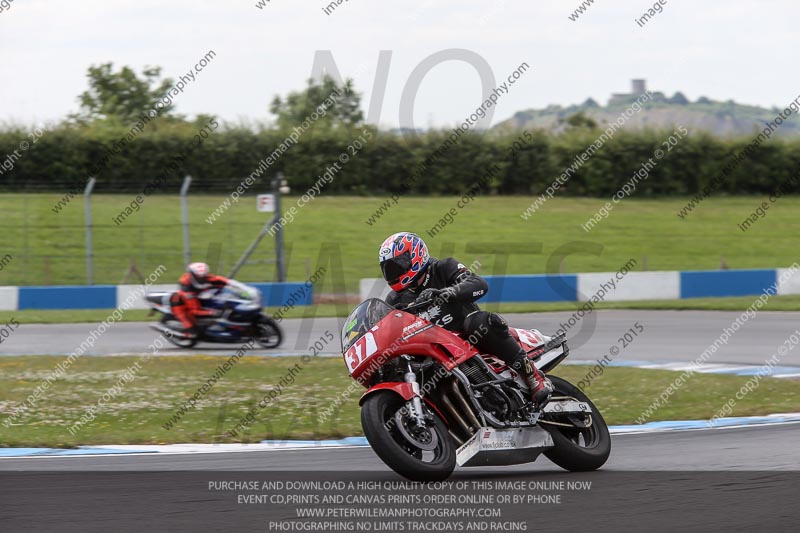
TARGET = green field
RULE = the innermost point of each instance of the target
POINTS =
(135, 415)
(48, 248)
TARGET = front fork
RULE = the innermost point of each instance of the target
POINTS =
(415, 404)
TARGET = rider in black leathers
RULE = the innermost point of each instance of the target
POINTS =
(454, 289)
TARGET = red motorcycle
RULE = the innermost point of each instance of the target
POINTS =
(433, 401)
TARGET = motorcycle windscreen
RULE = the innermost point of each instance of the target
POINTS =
(236, 289)
(362, 319)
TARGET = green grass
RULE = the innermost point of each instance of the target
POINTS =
(136, 414)
(775, 303)
(48, 248)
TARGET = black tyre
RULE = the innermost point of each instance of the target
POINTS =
(577, 449)
(268, 333)
(173, 323)
(406, 456)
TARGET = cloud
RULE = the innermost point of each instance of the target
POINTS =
(698, 48)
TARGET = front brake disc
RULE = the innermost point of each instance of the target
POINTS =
(424, 438)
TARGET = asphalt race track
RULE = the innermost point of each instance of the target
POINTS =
(734, 479)
(717, 449)
(667, 336)
(707, 480)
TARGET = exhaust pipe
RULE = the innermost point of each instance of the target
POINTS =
(464, 405)
(456, 438)
(454, 413)
(169, 332)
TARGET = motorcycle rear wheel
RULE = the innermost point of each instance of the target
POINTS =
(577, 449)
(268, 333)
(378, 420)
(174, 324)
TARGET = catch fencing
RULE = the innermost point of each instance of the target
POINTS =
(52, 238)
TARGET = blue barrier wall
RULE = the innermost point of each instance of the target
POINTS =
(699, 284)
(634, 285)
(279, 294)
(68, 297)
(541, 288)
(524, 288)
(106, 296)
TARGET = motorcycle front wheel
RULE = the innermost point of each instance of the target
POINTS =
(418, 454)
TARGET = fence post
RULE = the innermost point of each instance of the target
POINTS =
(280, 187)
(87, 205)
(187, 254)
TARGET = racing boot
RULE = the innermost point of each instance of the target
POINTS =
(541, 387)
(191, 332)
(188, 321)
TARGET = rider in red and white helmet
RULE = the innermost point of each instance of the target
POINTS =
(414, 276)
(185, 304)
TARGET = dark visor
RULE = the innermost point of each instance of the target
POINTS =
(395, 267)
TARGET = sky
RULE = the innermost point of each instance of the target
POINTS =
(723, 49)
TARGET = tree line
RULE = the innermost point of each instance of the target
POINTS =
(104, 139)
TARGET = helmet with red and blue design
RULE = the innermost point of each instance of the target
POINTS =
(404, 258)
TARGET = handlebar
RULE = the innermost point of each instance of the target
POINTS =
(416, 305)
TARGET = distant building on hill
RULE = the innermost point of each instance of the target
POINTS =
(638, 88)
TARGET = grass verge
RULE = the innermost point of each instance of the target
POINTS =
(136, 414)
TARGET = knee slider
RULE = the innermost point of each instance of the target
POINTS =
(497, 323)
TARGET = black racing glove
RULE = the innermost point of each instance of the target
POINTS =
(428, 295)
(437, 296)
(446, 295)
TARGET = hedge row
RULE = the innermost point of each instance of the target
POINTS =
(528, 162)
